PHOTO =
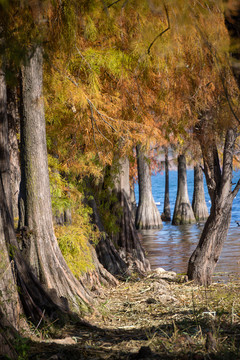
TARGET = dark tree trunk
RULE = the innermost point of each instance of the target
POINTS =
(148, 216)
(106, 251)
(199, 204)
(183, 213)
(232, 21)
(9, 302)
(8, 335)
(204, 259)
(99, 276)
(166, 215)
(40, 247)
(127, 239)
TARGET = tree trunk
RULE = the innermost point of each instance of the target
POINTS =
(13, 129)
(199, 204)
(39, 244)
(99, 276)
(166, 215)
(204, 259)
(148, 216)
(16, 280)
(9, 300)
(232, 21)
(106, 251)
(183, 213)
(133, 202)
(8, 334)
(127, 239)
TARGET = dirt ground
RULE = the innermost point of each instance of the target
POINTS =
(150, 318)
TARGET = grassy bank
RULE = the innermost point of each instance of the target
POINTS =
(152, 319)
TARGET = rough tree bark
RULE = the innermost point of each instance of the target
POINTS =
(9, 300)
(183, 213)
(204, 259)
(148, 216)
(39, 245)
(166, 215)
(133, 202)
(13, 129)
(199, 204)
(20, 291)
(105, 249)
(127, 239)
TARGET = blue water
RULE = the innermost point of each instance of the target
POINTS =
(172, 246)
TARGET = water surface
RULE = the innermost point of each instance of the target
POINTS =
(172, 246)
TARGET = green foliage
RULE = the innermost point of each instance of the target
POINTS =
(90, 31)
(74, 240)
(69, 25)
(109, 208)
(4, 3)
(60, 189)
(21, 345)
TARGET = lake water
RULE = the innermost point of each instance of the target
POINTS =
(172, 246)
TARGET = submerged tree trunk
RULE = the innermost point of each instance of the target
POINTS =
(39, 244)
(148, 216)
(199, 204)
(127, 239)
(166, 215)
(204, 259)
(183, 213)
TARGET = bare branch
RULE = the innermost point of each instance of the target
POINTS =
(236, 189)
(115, 2)
(105, 7)
(159, 35)
(79, 53)
(102, 116)
(68, 77)
(91, 117)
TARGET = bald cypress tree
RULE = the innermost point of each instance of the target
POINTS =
(199, 204)
(148, 216)
(183, 213)
(219, 178)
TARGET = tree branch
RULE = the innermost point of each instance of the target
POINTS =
(91, 117)
(92, 106)
(105, 7)
(115, 2)
(236, 189)
(83, 57)
(159, 35)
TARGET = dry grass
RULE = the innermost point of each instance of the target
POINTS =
(153, 319)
